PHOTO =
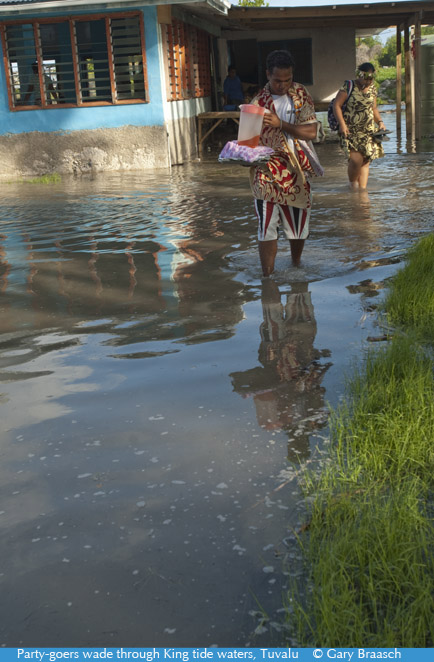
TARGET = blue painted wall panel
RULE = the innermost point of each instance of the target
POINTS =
(74, 119)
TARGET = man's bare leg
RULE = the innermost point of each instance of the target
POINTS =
(267, 254)
(297, 246)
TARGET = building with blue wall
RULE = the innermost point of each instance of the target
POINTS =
(103, 85)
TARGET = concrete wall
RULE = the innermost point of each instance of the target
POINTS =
(125, 148)
(333, 55)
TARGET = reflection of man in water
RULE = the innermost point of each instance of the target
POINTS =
(286, 388)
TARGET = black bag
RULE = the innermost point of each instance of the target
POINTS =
(333, 123)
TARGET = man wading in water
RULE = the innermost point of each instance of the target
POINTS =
(281, 188)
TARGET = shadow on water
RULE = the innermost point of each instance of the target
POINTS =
(157, 396)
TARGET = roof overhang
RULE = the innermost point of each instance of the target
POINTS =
(359, 16)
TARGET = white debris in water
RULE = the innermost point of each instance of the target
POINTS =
(222, 486)
(167, 521)
(158, 417)
(268, 568)
(260, 629)
(138, 452)
(84, 475)
(140, 504)
(239, 549)
(170, 630)
(222, 518)
(154, 459)
(35, 539)
(65, 560)
(267, 547)
(178, 482)
(135, 572)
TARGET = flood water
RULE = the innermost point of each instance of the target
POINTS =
(157, 397)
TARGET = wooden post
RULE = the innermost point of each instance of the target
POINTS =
(214, 81)
(417, 76)
(398, 79)
(412, 87)
(408, 120)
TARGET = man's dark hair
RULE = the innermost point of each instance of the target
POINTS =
(366, 66)
(279, 60)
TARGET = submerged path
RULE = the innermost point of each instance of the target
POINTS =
(156, 397)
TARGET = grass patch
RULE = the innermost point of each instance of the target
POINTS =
(410, 301)
(369, 545)
(44, 179)
(386, 73)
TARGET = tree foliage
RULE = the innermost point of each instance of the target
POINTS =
(387, 56)
(252, 3)
(369, 41)
(370, 49)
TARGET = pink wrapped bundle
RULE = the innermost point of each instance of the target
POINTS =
(232, 151)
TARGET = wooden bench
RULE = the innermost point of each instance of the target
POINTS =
(218, 116)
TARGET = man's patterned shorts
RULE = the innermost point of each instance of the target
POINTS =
(293, 221)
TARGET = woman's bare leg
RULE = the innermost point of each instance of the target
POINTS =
(355, 164)
(364, 174)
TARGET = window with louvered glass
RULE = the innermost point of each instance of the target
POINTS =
(75, 62)
(187, 61)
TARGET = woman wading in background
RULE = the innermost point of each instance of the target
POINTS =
(357, 125)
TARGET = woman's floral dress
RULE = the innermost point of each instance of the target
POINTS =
(359, 118)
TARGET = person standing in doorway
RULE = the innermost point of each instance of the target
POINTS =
(358, 123)
(232, 89)
(281, 188)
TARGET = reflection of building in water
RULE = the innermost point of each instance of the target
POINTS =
(164, 276)
(286, 387)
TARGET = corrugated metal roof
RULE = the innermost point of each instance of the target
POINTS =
(218, 4)
(20, 2)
